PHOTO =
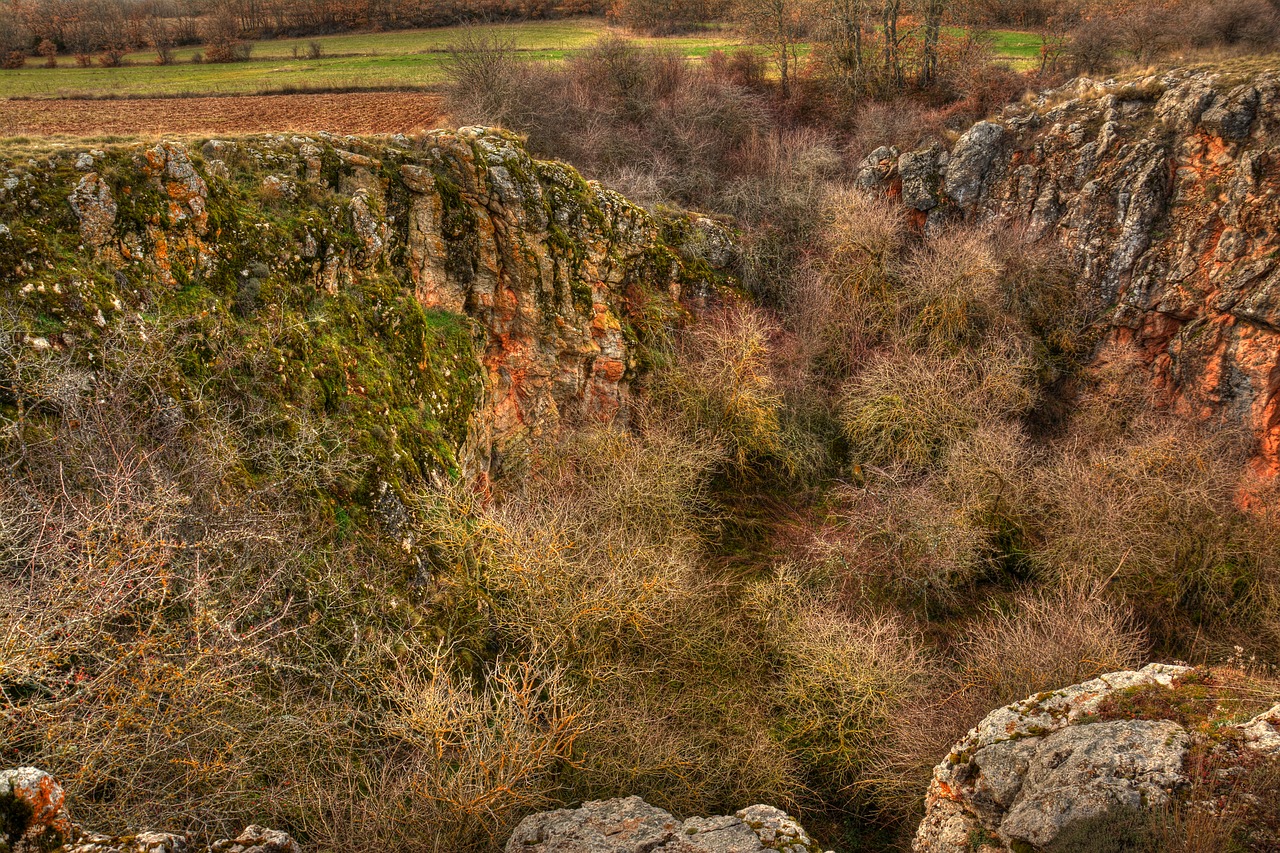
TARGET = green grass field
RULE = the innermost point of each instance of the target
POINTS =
(408, 59)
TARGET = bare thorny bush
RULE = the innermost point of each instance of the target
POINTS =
(181, 651)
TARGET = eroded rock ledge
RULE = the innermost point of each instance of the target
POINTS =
(1164, 189)
(1037, 767)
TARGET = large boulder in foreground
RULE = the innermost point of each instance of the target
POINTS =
(630, 825)
(1118, 744)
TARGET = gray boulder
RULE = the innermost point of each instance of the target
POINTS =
(1033, 768)
(921, 173)
(971, 160)
(258, 839)
(630, 825)
(1082, 772)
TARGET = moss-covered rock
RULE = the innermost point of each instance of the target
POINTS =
(445, 299)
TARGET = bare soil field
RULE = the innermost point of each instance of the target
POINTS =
(354, 112)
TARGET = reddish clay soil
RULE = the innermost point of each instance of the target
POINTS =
(353, 112)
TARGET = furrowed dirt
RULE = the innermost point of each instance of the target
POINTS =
(352, 112)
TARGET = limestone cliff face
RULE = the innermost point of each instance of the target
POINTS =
(1165, 191)
(556, 276)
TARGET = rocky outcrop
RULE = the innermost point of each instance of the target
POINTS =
(1165, 190)
(1033, 769)
(630, 825)
(557, 275)
(34, 819)
(33, 814)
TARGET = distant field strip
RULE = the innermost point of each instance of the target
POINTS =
(413, 59)
(354, 113)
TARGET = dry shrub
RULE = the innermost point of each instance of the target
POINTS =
(1118, 397)
(1038, 641)
(139, 652)
(1047, 640)
(921, 551)
(844, 301)
(1152, 518)
(909, 408)
(927, 544)
(471, 757)
(1093, 45)
(594, 562)
(976, 336)
(1250, 24)
(952, 292)
(720, 388)
(112, 57)
(779, 181)
(638, 117)
(842, 678)
(486, 80)
(904, 123)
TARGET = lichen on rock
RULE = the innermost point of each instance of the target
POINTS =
(1035, 768)
(533, 274)
(630, 825)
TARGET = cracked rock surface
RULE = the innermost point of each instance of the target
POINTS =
(630, 825)
(1035, 767)
(1165, 193)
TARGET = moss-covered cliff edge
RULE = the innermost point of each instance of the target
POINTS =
(441, 300)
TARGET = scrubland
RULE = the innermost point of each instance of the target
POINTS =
(881, 490)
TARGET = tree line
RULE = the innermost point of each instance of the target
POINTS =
(868, 44)
(878, 44)
(111, 28)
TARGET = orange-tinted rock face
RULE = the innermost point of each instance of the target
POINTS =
(541, 260)
(1165, 191)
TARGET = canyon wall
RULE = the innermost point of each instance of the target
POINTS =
(1164, 191)
(530, 286)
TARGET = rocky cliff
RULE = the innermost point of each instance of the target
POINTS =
(1164, 189)
(499, 294)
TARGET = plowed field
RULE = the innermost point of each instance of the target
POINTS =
(355, 113)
